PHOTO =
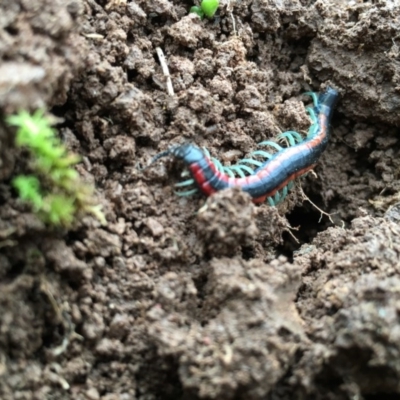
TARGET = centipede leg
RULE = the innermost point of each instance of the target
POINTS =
(188, 182)
(229, 172)
(276, 146)
(261, 153)
(250, 161)
(277, 197)
(186, 193)
(250, 171)
(314, 97)
(238, 170)
(312, 114)
(293, 137)
(285, 191)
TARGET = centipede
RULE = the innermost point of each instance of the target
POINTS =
(269, 172)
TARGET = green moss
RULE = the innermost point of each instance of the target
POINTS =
(54, 189)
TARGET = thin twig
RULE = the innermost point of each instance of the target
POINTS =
(229, 9)
(289, 230)
(164, 66)
(305, 197)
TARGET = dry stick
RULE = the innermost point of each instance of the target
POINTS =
(164, 66)
(61, 316)
(229, 9)
(289, 230)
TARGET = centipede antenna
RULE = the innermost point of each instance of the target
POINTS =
(157, 157)
(185, 183)
(271, 144)
(314, 97)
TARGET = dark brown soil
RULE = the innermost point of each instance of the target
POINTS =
(173, 299)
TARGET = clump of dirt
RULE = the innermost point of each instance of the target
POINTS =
(182, 297)
(232, 226)
(41, 54)
(244, 338)
(349, 300)
(41, 51)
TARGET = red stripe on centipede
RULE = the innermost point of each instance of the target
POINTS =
(283, 184)
(199, 177)
(276, 164)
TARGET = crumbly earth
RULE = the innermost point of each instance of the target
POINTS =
(182, 297)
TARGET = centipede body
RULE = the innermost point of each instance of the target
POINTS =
(276, 173)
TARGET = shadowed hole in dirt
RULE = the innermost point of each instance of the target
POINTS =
(132, 74)
(15, 271)
(53, 335)
(143, 141)
(299, 49)
(309, 222)
(247, 253)
(172, 387)
(13, 31)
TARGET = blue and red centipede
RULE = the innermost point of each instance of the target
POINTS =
(272, 179)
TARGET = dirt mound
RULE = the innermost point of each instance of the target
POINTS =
(183, 297)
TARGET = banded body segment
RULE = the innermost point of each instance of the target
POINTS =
(277, 172)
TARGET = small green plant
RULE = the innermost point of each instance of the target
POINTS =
(54, 189)
(207, 8)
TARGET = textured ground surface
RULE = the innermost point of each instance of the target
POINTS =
(169, 302)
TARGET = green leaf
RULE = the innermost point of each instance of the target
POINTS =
(209, 7)
(197, 10)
